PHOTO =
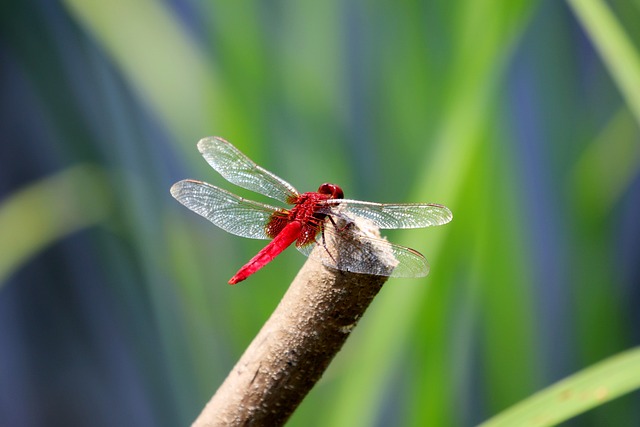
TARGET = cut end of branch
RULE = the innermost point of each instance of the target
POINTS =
(295, 346)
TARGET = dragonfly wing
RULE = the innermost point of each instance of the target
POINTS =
(350, 250)
(408, 215)
(238, 169)
(232, 213)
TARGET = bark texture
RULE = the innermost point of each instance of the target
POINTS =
(294, 347)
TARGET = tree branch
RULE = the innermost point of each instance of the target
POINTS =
(295, 346)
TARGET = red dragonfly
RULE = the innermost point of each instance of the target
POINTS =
(311, 221)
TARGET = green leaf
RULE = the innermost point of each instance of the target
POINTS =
(576, 394)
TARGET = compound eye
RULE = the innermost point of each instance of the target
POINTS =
(332, 190)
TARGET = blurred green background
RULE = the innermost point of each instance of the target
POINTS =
(520, 116)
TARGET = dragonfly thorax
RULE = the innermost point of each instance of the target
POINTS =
(309, 207)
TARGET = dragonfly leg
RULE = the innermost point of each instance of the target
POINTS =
(348, 223)
(324, 242)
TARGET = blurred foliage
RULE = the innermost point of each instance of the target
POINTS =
(520, 116)
(61, 197)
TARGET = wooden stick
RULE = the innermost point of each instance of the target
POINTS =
(294, 347)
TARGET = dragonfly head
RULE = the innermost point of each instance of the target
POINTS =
(331, 190)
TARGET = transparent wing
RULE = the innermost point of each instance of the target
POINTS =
(232, 213)
(409, 215)
(238, 169)
(349, 250)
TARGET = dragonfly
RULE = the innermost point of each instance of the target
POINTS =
(322, 218)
